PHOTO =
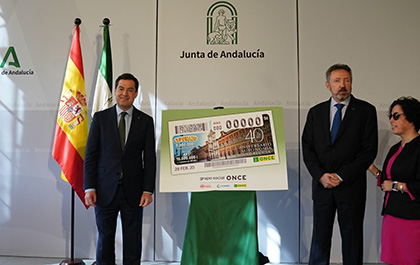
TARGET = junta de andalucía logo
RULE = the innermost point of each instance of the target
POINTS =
(222, 24)
(10, 59)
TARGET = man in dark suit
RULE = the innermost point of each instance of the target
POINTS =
(338, 164)
(120, 171)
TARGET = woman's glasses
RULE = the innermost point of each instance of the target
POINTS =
(395, 115)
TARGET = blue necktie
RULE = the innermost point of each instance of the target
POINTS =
(336, 122)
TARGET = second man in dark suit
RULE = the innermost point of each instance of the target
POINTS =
(120, 171)
(339, 142)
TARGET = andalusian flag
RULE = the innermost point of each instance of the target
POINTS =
(72, 122)
(103, 91)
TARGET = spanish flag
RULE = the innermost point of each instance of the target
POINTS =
(72, 121)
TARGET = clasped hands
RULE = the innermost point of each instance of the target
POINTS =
(330, 180)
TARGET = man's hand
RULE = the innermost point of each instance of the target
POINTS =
(329, 180)
(90, 198)
(146, 199)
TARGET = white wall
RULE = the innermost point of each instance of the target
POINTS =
(34, 201)
(197, 83)
(300, 40)
(379, 40)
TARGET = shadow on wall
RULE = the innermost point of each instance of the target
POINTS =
(278, 218)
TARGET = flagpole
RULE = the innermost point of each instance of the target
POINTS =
(72, 260)
(102, 98)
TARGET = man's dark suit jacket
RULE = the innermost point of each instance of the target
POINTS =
(351, 154)
(104, 158)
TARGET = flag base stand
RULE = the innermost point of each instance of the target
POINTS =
(72, 262)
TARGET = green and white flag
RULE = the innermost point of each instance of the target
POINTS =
(103, 90)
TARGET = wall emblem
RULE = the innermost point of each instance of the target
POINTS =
(11, 59)
(10, 52)
(222, 24)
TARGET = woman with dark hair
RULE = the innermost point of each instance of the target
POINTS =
(400, 181)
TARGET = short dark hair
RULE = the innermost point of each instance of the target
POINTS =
(128, 76)
(411, 108)
(338, 66)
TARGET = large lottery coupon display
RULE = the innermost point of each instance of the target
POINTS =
(223, 149)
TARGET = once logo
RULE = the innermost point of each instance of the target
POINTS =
(222, 24)
(236, 177)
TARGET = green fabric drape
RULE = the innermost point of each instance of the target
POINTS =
(221, 229)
